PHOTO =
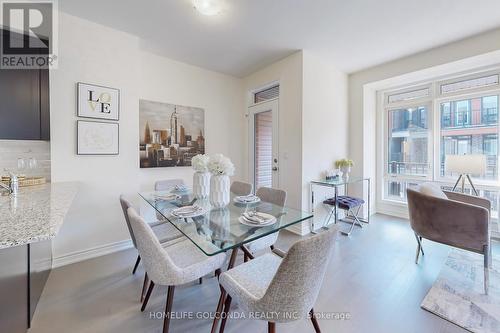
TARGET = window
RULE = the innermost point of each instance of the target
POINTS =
(423, 125)
(266, 94)
(470, 126)
(409, 95)
(408, 141)
(467, 84)
(263, 149)
(489, 110)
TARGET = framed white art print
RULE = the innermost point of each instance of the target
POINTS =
(98, 101)
(97, 138)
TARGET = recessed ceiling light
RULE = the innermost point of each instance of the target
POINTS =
(208, 7)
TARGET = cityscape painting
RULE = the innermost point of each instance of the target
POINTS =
(170, 135)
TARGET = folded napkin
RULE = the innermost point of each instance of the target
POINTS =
(167, 196)
(180, 187)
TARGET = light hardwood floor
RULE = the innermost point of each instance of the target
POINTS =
(372, 276)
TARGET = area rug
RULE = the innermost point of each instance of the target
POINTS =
(458, 293)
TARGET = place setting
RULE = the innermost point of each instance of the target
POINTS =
(246, 199)
(179, 189)
(167, 197)
(257, 219)
(188, 211)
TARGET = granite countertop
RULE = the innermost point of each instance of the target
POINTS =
(35, 214)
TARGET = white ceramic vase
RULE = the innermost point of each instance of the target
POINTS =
(345, 172)
(219, 191)
(201, 184)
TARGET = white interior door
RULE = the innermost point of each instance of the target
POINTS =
(264, 160)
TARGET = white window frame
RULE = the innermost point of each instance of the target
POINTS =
(386, 109)
(437, 134)
(433, 102)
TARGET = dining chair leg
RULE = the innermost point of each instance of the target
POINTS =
(245, 257)
(227, 306)
(314, 321)
(486, 269)
(217, 273)
(219, 310)
(201, 280)
(136, 264)
(150, 289)
(144, 285)
(168, 308)
(222, 298)
(271, 327)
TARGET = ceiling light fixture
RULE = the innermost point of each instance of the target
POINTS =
(208, 7)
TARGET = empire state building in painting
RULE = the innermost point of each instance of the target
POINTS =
(170, 135)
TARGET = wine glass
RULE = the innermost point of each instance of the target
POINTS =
(32, 165)
(21, 165)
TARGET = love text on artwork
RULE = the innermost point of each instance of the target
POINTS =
(101, 103)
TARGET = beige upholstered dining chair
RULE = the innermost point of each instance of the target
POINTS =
(451, 218)
(163, 230)
(168, 184)
(171, 264)
(276, 197)
(241, 188)
(281, 290)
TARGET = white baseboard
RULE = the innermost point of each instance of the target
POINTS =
(94, 252)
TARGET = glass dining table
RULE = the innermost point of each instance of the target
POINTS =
(220, 230)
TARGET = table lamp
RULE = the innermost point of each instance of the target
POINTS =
(465, 165)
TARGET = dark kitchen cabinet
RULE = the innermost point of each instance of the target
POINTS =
(24, 104)
(40, 265)
(14, 289)
(23, 274)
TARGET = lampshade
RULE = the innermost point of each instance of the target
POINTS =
(465, 164)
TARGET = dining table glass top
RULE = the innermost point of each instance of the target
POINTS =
(219, 230)
(339, 181)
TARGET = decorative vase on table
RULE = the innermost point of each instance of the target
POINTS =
(201, 184)
(221, 168)
(201, 177)
(345, 167)
(220, 191)
(345, 173)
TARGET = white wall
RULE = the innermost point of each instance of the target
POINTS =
(96, 54)
(362, 124)
(311, 91)
(313, 123)
(288, 72)
(325, 125)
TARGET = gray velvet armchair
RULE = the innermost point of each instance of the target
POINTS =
(451, 218)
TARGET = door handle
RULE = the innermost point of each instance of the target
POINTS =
(275, 168)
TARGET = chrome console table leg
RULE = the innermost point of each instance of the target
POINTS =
(311, 209)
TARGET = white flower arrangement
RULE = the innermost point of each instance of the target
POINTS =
(200, 163)
(220, 165)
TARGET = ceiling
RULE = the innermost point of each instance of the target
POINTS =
(250, 34)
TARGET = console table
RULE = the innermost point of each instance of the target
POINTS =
(335, 184)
